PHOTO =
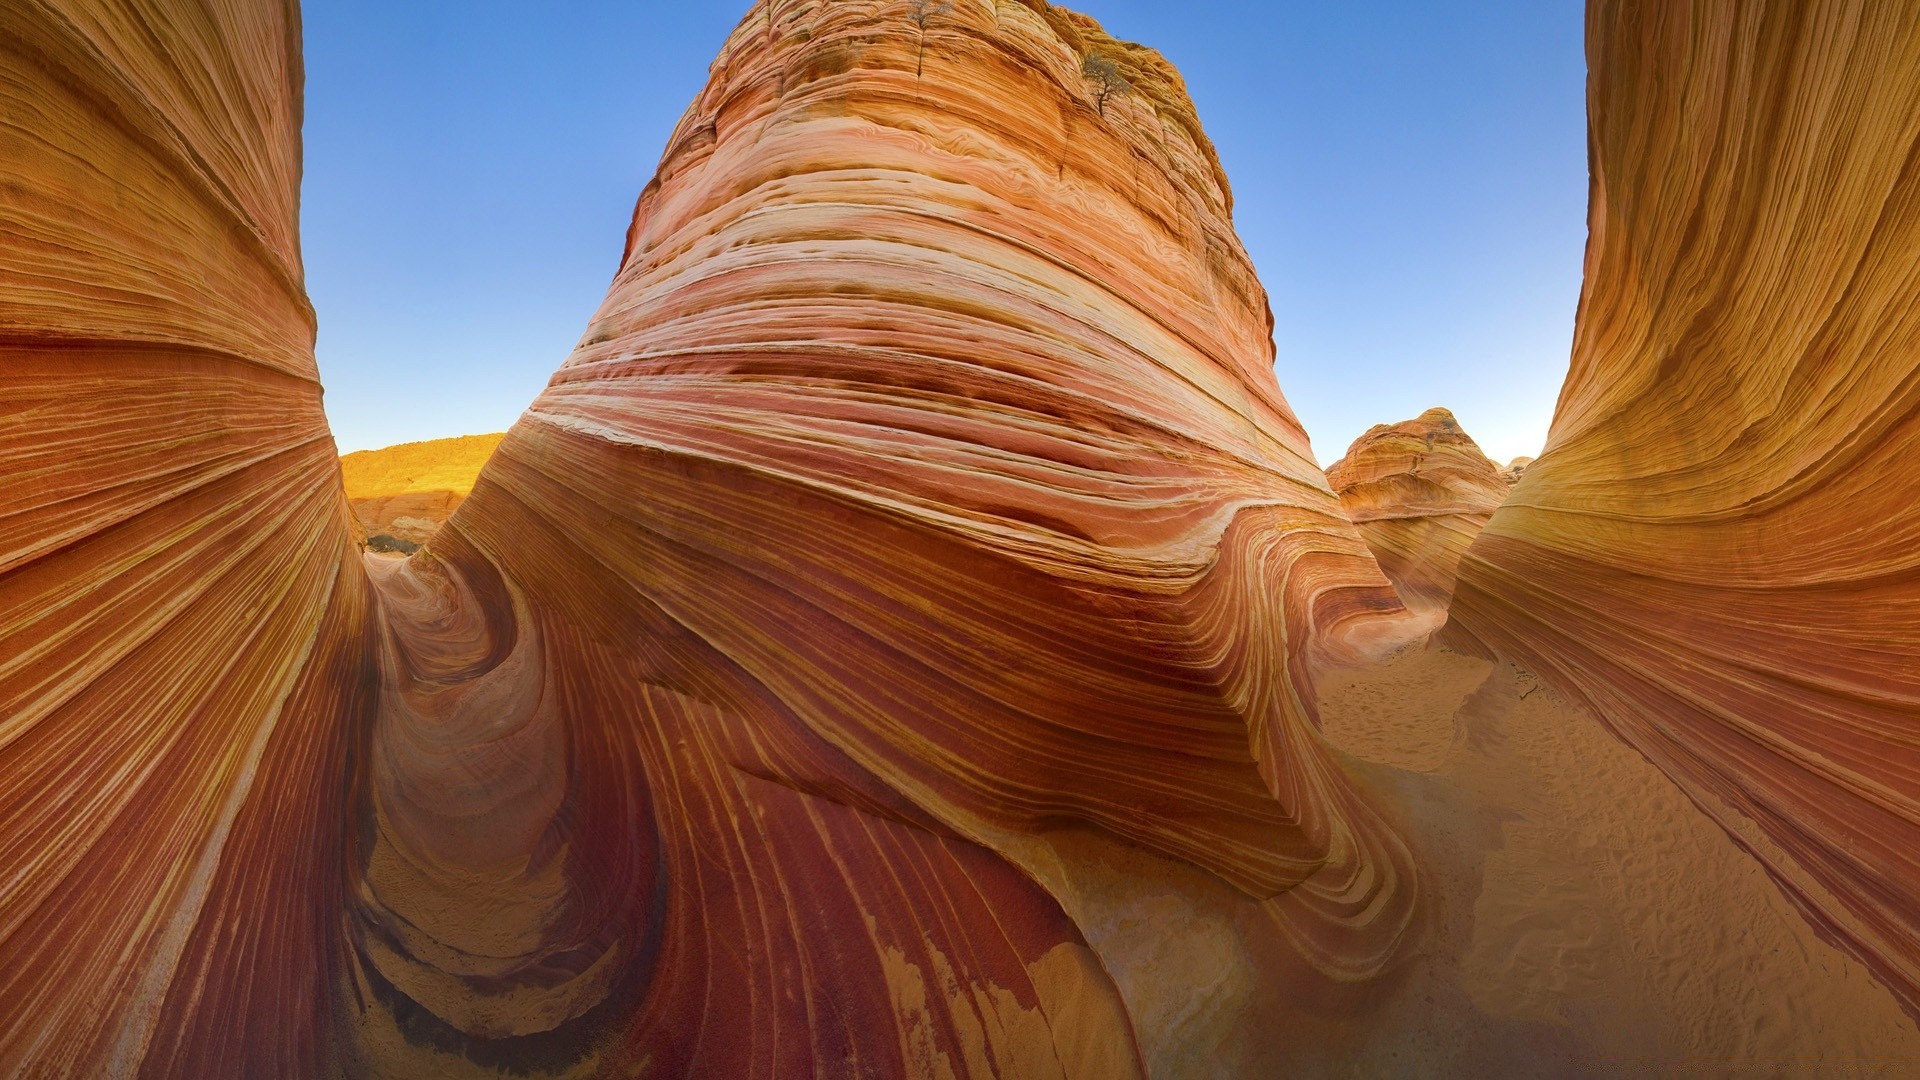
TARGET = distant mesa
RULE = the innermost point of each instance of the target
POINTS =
(405, 492)
(1419, 490)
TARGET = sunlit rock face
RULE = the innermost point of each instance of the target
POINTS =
(914, 571)
(889, 519)
(407, 491)
(1515, 469)
(1719, 548)
(1419, 490)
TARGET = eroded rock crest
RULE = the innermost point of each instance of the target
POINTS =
(1419, 490)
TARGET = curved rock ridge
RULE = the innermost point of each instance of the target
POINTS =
(894, 576)
(1719, 549)
(408, 490)
(1419, 490)
(1515, 469)
(922, 501)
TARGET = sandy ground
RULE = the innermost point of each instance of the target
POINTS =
(1585, 918)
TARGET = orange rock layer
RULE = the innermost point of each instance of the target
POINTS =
(407, 491)
(917, 521)
(1719, 548)
(1419, 490)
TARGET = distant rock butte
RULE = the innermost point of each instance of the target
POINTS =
(1419, 490)
(1719, 549)
(896, 592)
(407, 490)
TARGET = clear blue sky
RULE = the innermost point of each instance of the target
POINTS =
(1409, 176)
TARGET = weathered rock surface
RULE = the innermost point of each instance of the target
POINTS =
(896, 593)
(407, 491)
(183, 622)
(1515, 469)
(1719, 549)
(1419, 490)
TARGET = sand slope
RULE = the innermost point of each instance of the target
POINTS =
(1588, 918)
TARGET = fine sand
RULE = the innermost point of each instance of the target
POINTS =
(1585, 917)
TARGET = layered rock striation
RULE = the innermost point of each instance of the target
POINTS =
(894, 562)
(1419, 490)
(1719, 549)
(184, 625)
(943, 528)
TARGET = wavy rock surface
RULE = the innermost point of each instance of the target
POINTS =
(1719, 549)
(184, 626)
(894, 577)
(1420, 491)
(409, 490)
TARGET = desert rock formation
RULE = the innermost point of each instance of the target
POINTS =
(1419, 490)
(1718, 551)
(184, 624)
(407, 491)
(910, 637)
(928, 529)
(893, 578)
(1515, 469)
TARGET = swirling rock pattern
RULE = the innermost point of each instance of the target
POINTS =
(408, 491)
(1719, 549)
(1420, 491)
(890, 542)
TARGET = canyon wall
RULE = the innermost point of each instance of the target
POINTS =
(1719, 549)
(1420, 491)
(185, 631)
(915, 555)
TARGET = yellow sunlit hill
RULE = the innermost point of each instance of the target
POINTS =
(406, 491)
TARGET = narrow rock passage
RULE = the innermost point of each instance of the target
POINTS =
(1587, 918)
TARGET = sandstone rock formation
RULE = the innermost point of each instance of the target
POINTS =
(898, 574)
(407, 491)
(1515, 469)
(1419, 490)
(1719, 549)
(184, 625)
